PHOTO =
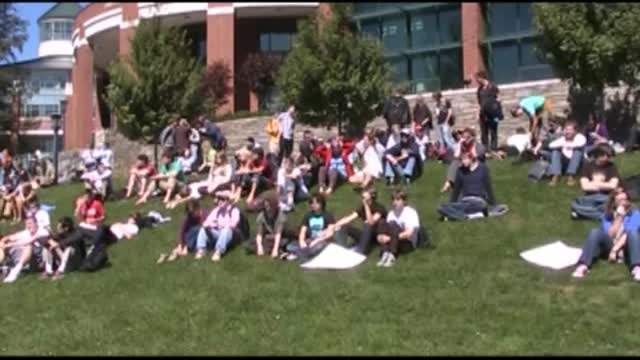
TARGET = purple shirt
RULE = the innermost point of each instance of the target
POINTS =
(222, 217)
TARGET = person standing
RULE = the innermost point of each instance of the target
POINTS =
(182, 132)
(396, 111)
(422, 117)
(272, 128)
(490, 112)
(286, 121)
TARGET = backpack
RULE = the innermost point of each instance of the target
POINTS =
(424, 241)
(396, 111)
(538, 170)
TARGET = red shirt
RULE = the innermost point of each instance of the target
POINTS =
(92, 212)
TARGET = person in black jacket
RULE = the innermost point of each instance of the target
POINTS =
(66, 246)
(402, 158)
(472, 191)
(396, 111)
(422, 117)
(489, 112)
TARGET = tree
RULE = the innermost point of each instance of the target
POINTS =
(216, 86)
(13, 35)
(592, 45)
(259, 72)
(333, 75)
(157, 82)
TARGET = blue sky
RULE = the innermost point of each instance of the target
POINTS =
(31, 12)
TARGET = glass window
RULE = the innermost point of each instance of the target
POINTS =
(371, 28)
(424, 29)
(394, 33)
(400, 69)
(50, 109)
(451, 69)
(525, 16)
(424, 66)
(264, 42)
(504, 62)
(280, 42)
(503, 18)
(450, 26)
(528, 54)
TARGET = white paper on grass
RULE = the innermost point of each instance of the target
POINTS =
(335, 257)
(556, 255)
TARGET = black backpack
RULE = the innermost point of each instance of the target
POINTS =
(424, 241)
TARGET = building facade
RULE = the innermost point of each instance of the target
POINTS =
(46, 80)
(431, 46)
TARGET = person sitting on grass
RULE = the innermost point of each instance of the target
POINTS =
(315, 232)
(15, 200)
(619, 230)
(64, 247)
(208, 156)
(290, 185)
(596, 133)
(168, 178)
(271, 230)
(188, 233)
(98, 179)
(402, 158)
(598, 179)
(19, 247)
(186, 160)
(371, 153)
(34, 210)
(336, 164)
(423, 142)
(253, 173)
(533, 106)
(566, 151)
(466, 144)
(472, 191)
(372, 214)
(400, 232)
(218, 228)
(140, 172)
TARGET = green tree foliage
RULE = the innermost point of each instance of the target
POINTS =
(333, 75)
(155, 83)
(259, 72)
(13, 35)
(591, 44)
(216, 86)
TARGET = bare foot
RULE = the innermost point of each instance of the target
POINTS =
(215, 257)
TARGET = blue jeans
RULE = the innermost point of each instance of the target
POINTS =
(407, 170)
(590, 206)
(192, 237)
(221, 238)
(558, 160)
(444, 134)
(599, 243)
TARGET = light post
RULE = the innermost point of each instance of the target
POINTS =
(56, 127)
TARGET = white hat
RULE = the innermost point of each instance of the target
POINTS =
(405, 131)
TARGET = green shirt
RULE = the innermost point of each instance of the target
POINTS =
(532, 104)
(173, 167)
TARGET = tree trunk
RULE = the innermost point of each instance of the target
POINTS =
(155, 151)
(15, 124)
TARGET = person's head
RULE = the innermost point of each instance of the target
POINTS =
(292, 109)
(405, 136)
(569, 129)
(30, 224)
(602, 154)
(618, 197)
(33, 204)
(221, 158)
(370, 136)
(317, 203)
(142, 161)
(184, 123)
(516, 111)
(167, 157)
(447, 104)
(307, 135)
(482, 78)
(134, 218)
(222, 198)
(206, 146)
(65, 224)
(420, 99)
(398, 199)
(437, 97)
(287, 164)
(468, 135)
(101, 167)
(192, 208)
(369, 194)
(257, 154)
(467, 159)
(251, 142)
(270, 206)
(96, 196)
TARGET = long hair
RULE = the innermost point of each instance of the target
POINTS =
(611, 202)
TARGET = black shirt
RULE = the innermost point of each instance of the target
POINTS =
(421, 113)
(375, 207)
(608, 172)
(315, 223)
(487, 95)
(473, 183)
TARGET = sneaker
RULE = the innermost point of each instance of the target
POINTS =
(13, 275)
(383, 259)
(292, 257)
(199, 254)
(574, 215)
(580, 271)
(635, 273)
(161, 259)
(391, 260)
(216, 257)
(554, 180)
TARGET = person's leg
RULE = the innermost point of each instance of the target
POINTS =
(131, 183)
(453, 211)
(597, 243)
(364, 237)
(452, 171)
(223, 238)
(204, 235)
(408, 167)
(493, 132)
(47, 257)
(322, 177)
(590, 206)
(169, 189)
(389, 171)
(484, 131)
(574, 162)
(333, 179)
(150, 189)
(22, 257)
(555, 169)
(633, 249)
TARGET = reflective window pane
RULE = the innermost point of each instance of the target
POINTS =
(424, 29)
(451, 69)
(371, 27)
(280, 42)
(503, 19)
(450, 26)
(400, 69)
(264, 42)
(394, 33)
(504, 58)
(525, 17)
(528, 54)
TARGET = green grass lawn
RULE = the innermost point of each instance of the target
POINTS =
(471, 295)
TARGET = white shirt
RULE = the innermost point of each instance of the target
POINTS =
(422, 145)
(23, 237)
(42, 219)
(120, 230)
(186, 164)
(87, 157)
(193, 189)
(286, 125)
(373, 160)
(521, 142)
(105, 156)
(568, 145)
(392, 141)
(96, 178)
(406, 219)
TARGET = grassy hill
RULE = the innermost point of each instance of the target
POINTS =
(471, 295)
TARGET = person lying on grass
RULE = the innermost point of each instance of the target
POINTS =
(619, 230)
(271, 230)
(140, 173)
(168, 178)
(218, 228)
(188, 232)
(19, 247)
(598, 179)
(399, 234)
(472, 190)
(372, 214)
(315, 232)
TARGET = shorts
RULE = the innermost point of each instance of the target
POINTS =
(548, 105)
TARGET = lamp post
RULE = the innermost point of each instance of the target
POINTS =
(56, 127)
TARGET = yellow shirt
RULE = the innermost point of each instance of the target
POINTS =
(273, 130)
